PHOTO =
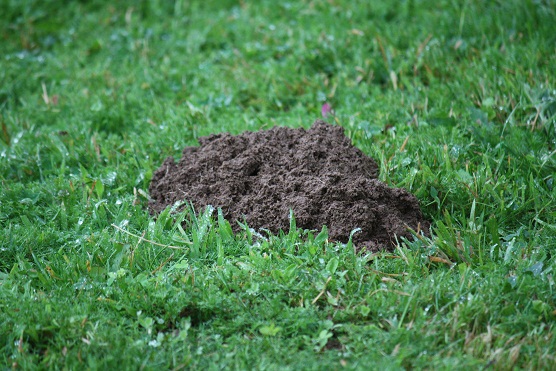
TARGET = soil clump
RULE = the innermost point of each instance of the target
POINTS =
(258, 177)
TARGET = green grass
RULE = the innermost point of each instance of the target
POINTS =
(456, 100)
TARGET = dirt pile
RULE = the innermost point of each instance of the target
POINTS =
(318, 173)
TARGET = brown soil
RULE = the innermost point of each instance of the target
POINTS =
(258, 177)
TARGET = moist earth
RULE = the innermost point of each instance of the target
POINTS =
(258, 177)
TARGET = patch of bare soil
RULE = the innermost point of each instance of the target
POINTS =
(259, 176)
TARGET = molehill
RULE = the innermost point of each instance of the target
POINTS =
(258, 177)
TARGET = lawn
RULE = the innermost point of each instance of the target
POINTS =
(456, 101)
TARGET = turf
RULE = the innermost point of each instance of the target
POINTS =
(456, 100)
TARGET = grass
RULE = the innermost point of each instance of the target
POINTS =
(456, 101)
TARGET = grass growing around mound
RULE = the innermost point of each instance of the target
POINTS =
(456, 100)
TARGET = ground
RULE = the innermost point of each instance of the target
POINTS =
(266, 178)
(455, 100)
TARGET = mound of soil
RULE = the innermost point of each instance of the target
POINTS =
(259, 176)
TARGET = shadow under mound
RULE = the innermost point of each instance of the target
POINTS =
(259, 176)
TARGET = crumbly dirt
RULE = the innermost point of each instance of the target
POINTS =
(259, 176)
